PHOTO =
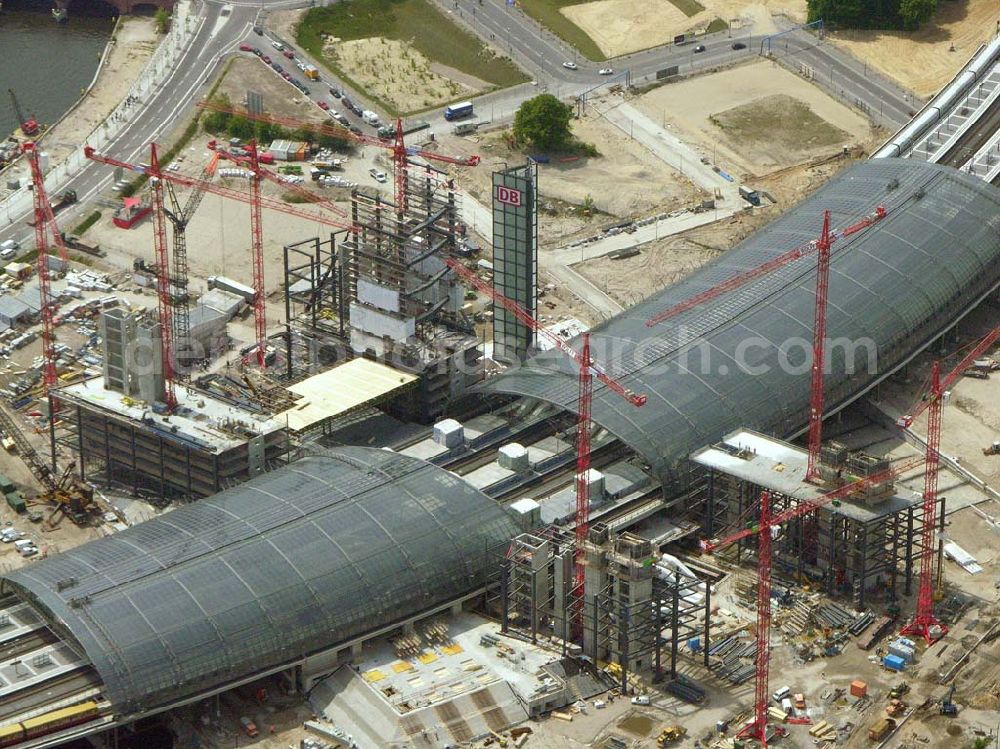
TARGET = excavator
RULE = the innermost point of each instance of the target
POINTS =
(63, 494)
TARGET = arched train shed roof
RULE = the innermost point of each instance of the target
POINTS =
(718, 367)
(288, 564)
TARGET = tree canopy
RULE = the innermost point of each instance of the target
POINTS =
(544, 122)
(873, 14)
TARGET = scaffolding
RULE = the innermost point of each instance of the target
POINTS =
(385, 293)
(631, 609)
(863, 549)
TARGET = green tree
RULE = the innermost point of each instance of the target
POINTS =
(217, 122)
(544, 122)
(162, 20)
(915, 12)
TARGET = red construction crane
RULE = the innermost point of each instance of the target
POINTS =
(762, 270)
(162, 280)
(588, 370)
(765, 528)
(816, 394)
(44, 219)
(254, 199)
(400, 151)
(924, 623)
(29, 125)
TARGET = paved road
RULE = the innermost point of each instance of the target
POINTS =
(220, 31)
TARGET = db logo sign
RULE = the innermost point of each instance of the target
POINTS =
(508, 196)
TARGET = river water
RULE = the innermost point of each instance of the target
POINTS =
(46, 63)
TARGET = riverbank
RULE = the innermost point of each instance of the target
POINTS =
(128, 51)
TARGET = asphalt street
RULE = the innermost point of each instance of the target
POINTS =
(223, 26)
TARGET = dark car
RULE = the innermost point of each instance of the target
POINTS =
(739, 45)
(348, 103)
(258, 31)
(700, 48)
(335, 93)
(355, 129)
(356, 109)
(257, 52)
(290, 54)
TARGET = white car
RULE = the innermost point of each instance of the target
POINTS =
(569, 65)
(377, 175)
(606, 71)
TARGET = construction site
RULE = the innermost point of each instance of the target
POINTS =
(411, 441)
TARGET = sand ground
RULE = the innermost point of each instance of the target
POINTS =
(641, 183)
(281, 98)
(924, 60)
(689, 108)
(619, 27)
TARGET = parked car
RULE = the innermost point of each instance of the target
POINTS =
(323, 105)
(700, 48)
(9, 248)
(246, 48)
(266, 59)
(278, 46)
(569, 65)
(258, 31)
(606, 71)
(377, 175)
(289, 54)
(739, 45)
(355, 129)
(335, 92)
(257, 52)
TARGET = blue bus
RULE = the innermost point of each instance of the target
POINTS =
(457, 111)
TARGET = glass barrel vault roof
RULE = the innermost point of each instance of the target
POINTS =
(287, 564)
(718, 366)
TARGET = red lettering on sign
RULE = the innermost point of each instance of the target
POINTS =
(508, 196)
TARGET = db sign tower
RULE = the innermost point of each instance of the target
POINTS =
(515, 257)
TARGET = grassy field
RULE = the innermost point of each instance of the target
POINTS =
(779, 120)
(414, 21)
(688, 7)
(546, 12)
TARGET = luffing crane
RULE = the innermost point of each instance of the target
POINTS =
(924, 623)
(257, 173)
(400, 151)
(44, 220)
(765, 529)
(255, 199)
(29, 125)
(588, 370)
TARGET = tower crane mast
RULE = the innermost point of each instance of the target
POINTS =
(588, 370)
(765, 528)
(924, 623)
(44, 220)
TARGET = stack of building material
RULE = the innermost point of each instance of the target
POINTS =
(823, 731)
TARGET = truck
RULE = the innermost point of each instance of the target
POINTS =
(65, 200)
(881, 728)
(465, 128)
(77, 243)
(370, 117)
(311, 72)
(458, 111)
(749, 195)
(249, 727)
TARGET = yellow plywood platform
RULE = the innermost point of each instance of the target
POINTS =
(427, 656)
(373, 675)
(340, 390)
(453, 649)
(401, 667)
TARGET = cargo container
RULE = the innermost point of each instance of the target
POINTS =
(882, 728)
(894, 662)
